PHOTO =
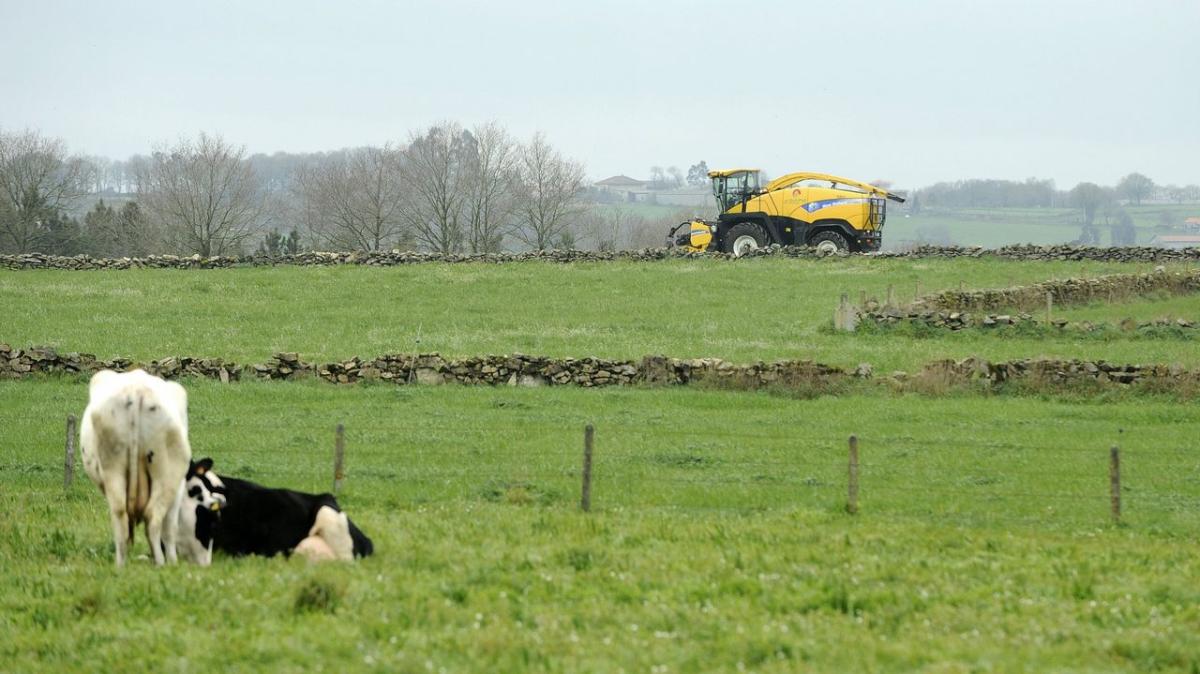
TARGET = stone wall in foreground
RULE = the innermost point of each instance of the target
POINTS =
(389, 258)
(523, 370)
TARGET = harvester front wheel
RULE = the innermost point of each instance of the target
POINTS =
(829, 242)
(743, 238)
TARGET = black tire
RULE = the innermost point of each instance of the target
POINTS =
(829, 242)
(743, 237)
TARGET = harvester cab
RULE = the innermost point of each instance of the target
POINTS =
(828, 212)
(734, 187)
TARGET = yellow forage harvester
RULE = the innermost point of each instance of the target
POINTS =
(827, 212)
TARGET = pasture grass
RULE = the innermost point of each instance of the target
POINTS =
(718, 540)
(994, 227)
(1144, 309)
(742, 311)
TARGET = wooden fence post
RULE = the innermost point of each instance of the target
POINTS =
(1114, 482)
(862, 299)
(339, 458)
(69, 461)
(962, 285)
(585, 499)
(852, 483)
(845, 317)
(1049, 306)
(891, 295)
(917, 296)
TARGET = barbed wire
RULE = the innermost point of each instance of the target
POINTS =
(648, 465)
(647, 434)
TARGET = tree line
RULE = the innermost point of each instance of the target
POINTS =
(446, 189)
(1034, 193)
(1098, 205)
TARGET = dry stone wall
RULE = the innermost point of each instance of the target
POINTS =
(1064, 292)
(1061, 371)
(397, 258)
(958, 310)
(958, 320)
(525, 370)
(1057, 252)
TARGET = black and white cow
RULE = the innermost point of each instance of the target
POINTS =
(251, 519)
(199, 514)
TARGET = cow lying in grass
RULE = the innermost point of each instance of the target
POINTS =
(134, 442)
(258, 520)
(199, 515)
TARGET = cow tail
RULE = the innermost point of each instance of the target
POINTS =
(138, 488)
(131, 465)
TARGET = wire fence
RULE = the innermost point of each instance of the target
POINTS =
(976, 480)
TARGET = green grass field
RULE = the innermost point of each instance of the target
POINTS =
(718, 540)
(983, 542)
(742, 311)
(993, 227)
(1145, 309)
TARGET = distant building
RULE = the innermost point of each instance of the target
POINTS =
(1176, 241)
(628, 188)
(632, 189)
(1192, 223)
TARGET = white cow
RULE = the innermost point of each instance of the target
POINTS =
(134, 443)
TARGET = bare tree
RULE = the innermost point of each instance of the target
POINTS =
(658, 178)
(547, 189)
(204, 193)
(490, 172)
(437, 181)
(136, 167)
(610, 228)
(1135, 187)
(1121, 228)
(355, 199)
(675, 177)
(1089, 198)
(38, 180)
(120, 232)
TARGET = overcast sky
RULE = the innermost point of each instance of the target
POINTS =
(914, 91)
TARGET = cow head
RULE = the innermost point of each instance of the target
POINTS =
(200, 513)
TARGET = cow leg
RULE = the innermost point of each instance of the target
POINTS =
(154, 526)
(333, 527)
(162, 515)
(121, 534)
(115, 494)
(171, 533)
(120, 525)
(157, 511)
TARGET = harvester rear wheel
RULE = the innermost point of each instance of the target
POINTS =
(743, 238)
